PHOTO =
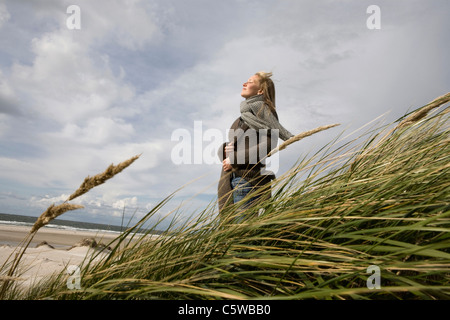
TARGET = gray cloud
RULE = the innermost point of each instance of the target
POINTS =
(81, 99)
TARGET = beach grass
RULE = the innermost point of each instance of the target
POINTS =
(380, 199)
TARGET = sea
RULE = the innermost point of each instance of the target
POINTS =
(20, 220)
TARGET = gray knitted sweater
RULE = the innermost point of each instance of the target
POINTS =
(257, 115)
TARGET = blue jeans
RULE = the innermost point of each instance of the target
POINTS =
(241, 188)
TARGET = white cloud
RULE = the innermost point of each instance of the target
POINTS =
(130, 24)
(64, 83)
(124, 203)
(48, 200)
(22, 171)
(98, 131)
(74, 101)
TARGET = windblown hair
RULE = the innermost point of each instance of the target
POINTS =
(268, 88)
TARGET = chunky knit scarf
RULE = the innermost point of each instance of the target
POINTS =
(257, 115)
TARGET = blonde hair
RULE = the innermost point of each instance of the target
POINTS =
(268, 88)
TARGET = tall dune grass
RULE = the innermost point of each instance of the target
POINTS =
(12, 263)
(381, 199)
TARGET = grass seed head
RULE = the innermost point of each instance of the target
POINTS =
(422, 112)
(300, 136)
(91, 182)
(53, 212)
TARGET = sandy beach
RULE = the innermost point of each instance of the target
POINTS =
(43, 261)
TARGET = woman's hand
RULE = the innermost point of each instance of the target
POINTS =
(229, 149)
(226, 165)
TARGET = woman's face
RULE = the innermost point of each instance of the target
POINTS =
(251, 87)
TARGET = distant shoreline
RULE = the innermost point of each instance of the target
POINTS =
(13, 235)
(66, 226)
(24, 220)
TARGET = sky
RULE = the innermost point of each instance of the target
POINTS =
(129, 76)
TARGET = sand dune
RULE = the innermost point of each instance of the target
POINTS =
(61, 251)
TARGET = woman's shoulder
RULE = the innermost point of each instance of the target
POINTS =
(236, 123)
(267, 111)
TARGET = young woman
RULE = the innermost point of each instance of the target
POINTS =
(252, 136)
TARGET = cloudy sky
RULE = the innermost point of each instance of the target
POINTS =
(75, 100)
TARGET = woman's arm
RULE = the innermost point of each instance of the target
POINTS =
(251, 147)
